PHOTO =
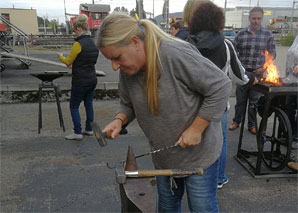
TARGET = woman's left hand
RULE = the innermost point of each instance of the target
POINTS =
(192, 135)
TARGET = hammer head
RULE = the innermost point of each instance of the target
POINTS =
(120, 174)
(100, 136)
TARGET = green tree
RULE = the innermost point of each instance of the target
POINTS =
(54, 25)
(121, 9)
(41, 21)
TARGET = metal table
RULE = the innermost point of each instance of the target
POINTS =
(243, 156)
(47, 83)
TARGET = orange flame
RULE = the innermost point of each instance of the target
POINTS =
(272, 74)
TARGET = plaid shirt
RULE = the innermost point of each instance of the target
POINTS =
(251, 47)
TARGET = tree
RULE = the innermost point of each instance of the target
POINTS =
(122, 9)
(54, 25)
(41, 21)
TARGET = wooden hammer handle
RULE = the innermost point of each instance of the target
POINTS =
(169, 172)
(109, 134)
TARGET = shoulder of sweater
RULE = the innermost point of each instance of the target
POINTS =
(177, 46)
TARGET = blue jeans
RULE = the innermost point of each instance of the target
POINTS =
(79, 94)
(201, 192)
(222, 177)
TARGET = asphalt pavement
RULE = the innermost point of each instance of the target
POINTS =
(46, 173)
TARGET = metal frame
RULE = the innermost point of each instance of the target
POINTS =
(243, 155)
(49, 85)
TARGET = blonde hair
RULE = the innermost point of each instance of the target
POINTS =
(189, 9)
(118, 29)
(82, 22)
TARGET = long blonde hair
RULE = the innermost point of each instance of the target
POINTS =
(118, 29)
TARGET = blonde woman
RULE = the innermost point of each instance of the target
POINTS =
(82, 59)
(177, 97)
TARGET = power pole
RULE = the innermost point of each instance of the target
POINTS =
(225, 8)
(167, 15)
(66, 25)
(291, 28)
(153, 9)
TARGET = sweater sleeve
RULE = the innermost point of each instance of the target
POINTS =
(126, 106)
(75, 50)
(238, 74)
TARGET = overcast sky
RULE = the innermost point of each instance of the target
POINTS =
(54, 9)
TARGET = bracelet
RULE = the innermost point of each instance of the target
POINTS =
(122, 121)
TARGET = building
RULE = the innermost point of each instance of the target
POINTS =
(24, 19)
(275, 18)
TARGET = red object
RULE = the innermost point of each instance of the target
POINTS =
(95, 13)
(2, 27)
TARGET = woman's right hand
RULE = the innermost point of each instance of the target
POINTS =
(113, 128)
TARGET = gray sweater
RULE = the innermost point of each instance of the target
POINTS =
(190, 85)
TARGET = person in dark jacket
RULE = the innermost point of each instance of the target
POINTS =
(183, 32)
(207, 23)
(82, 59)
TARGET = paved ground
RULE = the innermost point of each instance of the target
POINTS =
(45, 173)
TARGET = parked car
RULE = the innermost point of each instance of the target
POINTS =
(229, 34)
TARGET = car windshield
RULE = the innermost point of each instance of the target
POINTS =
(229, 33)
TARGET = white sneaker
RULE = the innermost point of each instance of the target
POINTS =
(74, 136)
(88, 133)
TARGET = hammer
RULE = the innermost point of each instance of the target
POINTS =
(121, 174)
(101, 136)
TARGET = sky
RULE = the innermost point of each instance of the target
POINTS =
(54, 9)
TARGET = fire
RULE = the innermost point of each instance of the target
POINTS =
(272, 74)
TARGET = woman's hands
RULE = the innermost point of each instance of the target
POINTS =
(192, 135)
(115, 126)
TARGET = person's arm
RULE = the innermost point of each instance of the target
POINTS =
(75, 50)
(202, 78)
(295, 71)
(125, 113)
(238, 74)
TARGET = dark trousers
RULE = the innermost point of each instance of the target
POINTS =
(79, 94)
(243, 93)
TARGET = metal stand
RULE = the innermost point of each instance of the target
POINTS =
(49, 85)
(246, 158)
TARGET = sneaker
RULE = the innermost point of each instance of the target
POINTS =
(220, 185)
(74, 136)
(88, 133)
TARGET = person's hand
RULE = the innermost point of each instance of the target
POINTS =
(295, 71)
(114, 127)
(255, 81)
(259, 71)
(70, 66)
(59, 54)
(190, 137)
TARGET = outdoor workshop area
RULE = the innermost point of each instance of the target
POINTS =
(41, 171)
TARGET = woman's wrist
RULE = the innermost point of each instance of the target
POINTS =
(122, 121)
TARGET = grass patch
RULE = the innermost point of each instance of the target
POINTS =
(287, 40)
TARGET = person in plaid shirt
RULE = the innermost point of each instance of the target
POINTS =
(251, 44)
